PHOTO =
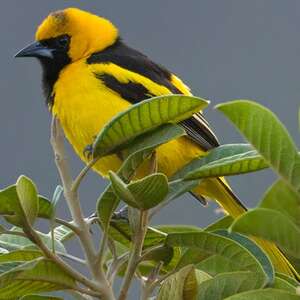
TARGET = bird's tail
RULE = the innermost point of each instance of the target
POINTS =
(218, 189)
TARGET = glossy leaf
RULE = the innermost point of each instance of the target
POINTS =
(36, 276)
(120, 231)
(62, 233)
(282, 284)
(227, 284)
(39, 297)
(180, 187)
(271, 225)
(222, 223)
(142, 194)
(14, 242)
(20, 255)
(194, 256)
(281, 197)
(154, 138)
(227, 160)
(289, 279)
(143, 117)
(9, 200)
(45, 208)
(268, 135)
(265, 294)
(135, 154)
(178, 228)
(56, 197)
(28, 198)
(257, 252)
(183, 285)
(214, 244)
(160, 254)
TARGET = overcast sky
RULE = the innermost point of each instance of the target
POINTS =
(223, 50)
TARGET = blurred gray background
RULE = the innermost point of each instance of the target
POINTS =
(223, 50)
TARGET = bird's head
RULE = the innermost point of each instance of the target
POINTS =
(69, 35)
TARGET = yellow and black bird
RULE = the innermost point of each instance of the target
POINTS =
(90, 75)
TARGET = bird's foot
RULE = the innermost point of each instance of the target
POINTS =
(88, 151)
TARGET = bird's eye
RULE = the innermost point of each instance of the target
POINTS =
(63, 42)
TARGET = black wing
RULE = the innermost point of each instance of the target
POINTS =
(196, 127)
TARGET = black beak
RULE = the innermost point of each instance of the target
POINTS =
(36, 49)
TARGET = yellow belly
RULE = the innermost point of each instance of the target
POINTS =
(83, 105)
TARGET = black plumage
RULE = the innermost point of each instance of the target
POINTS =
(196, 127)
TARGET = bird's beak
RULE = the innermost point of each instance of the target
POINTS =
(36, 49)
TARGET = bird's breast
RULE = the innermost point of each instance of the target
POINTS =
(84, 105)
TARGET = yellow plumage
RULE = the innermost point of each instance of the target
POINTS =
(84, 101)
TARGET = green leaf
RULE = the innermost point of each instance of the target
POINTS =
(26, 205)
(213, 244)
(180, 187)
(214, 264)
(227, 284)
(9, 201)
(228, 160)
(142, 194)
(289, 279)
(62, 233)
(192, 283)
(282, 284)
(143, 117)
(56, 196)
(283, 198)
(136, 153)
(271, 225)
(182, 285)
(222, 223)
(14, 242)
(154, 138)
(266, 294)
(193, 256)
(20, 255)
(178, 228)
(161, 253)
(13, 259)
(39, 297)
(121, 190)
(267, 134)
(45, 208)
(28, 197)
(258, 253)
(149, 191)
(121, 232)
(36, 276)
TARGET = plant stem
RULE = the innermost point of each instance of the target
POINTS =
(135, 255)
(71, 196)
(66, 224)
(82, 174)
(35, 238)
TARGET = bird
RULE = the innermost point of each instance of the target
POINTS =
(89, 75)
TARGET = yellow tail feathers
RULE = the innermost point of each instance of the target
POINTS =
(218, 190)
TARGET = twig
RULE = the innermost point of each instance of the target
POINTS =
(36, 239)
(67, 224)
(71, 196)
(17, 233)
(77, 181)
(115, 265)
(147, 285)
(135, 253)
(72, 258)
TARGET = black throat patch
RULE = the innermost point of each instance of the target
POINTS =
(52, 67)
